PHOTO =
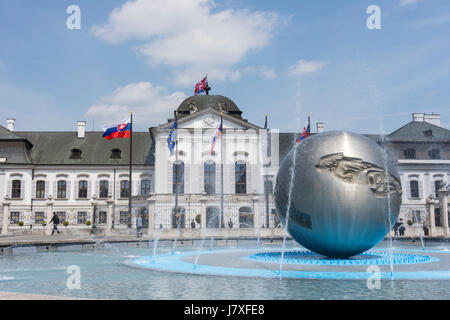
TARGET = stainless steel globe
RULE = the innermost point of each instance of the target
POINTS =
(343, 190)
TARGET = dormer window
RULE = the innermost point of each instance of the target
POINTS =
(116, 154)
(434, 154)
(428, 133)
(75, 154)
(410, 153)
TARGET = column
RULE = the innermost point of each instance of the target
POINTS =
(110, 206)
(256, 217)
(151, 217)
(49, 215)
(6, 214)
(432, 221)
(94, 213)
(203, 216)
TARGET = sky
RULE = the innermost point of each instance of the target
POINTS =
(289, 58)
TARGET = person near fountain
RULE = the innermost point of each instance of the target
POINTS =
(192, 224)
(230, 224)
(139, 225)
(55, 220)
(401, 228)
(425, 227)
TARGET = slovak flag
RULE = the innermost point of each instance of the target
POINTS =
(305, 134)
(217, 136)
(121, 129)
(200, 87)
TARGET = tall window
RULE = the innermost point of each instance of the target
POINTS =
(40, 189)
(61, 191)
(103, 189)
(410, 153)
(14, 217)
(82, 189)
(210, 177)
(437, 184)
(414, 188)
(124, 189)
(39, 217)
(145, 187)
(178, 177)
(16, 189)
(437, 217)
(240, 175)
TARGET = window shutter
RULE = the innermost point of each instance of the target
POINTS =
(137, 188)
(54, 189)
(117, 189)
(420, 189)
(111, 188)
(68, 189)
(97, 188)
(10, 188)
(76, 189)
(46, 184)
(408, 188)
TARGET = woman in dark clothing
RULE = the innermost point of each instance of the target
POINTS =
(55, 220)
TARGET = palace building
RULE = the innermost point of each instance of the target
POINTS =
(195, 190)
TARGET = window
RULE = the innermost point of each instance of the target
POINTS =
(62, 216)
(39, 217)
(40, 189)
(116, 154)
(414, 188)
(103, 189)
(245, 217)
(124, 189)
(212, 217)
(82, 189)
(81, 217)
(240, 175)
(437, 184)
(124, 217)
(61, 191)
(178, 177)
(16, 189)
(15, 217)
(75, 154)
(437, 217)
(434, 154)
(416, 218)
(210, 177)
(145, 187)
(410, 153)
(102, 217)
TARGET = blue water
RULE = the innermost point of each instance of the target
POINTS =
(104, 275)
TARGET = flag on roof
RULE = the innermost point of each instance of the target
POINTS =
(121, 129)
(200, 87)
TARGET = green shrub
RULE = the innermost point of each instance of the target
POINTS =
(44, 223)
(198, 218)
(20, 223)
(410, 222)
(66, 223)
(88, 222)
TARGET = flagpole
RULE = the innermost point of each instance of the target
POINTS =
(221, 169)
(177, 168)
(309, 124)
(131, 161)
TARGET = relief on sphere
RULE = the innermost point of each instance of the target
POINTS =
(355, 170)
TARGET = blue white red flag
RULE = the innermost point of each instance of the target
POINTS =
(305, 134)
(217, 136)
(172, 139)
(200, 87)
(121, 129)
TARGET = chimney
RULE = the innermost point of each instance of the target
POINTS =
(433, 119)
(320, 127)
(81, 129)
(10, 124)
(418, 117)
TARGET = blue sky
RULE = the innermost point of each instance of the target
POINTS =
(287, 58)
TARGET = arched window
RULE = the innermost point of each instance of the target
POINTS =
(124, 189)
(61, 192)
(178, 177)
(82, 189)
(414, 185)
(240, 176)
(16, 190)
(437, 184)
(104, 189)
(40, 189)
(209, 168)
(145, 187)
(434, 154)
(410, 153)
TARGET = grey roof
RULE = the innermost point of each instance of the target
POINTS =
(54, 148)
(416, 131)
(202, 102)
(6, 135)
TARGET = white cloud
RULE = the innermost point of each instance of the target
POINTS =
(408, 2)
(150, 105)
(303, 67)
(188, 36)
